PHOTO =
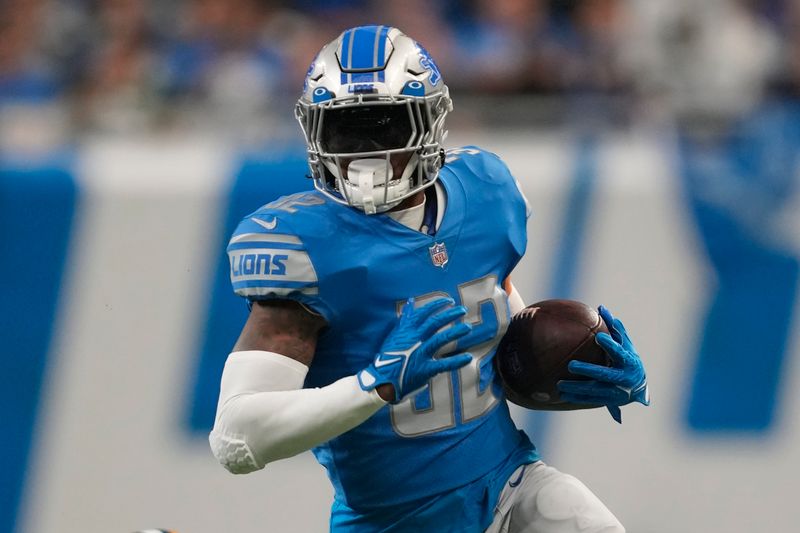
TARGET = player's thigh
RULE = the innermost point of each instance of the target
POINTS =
(539, 499)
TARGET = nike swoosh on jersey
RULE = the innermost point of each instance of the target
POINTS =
(264, 224)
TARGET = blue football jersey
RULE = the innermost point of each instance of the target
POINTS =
(357, 271)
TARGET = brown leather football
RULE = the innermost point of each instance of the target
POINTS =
(539, 344)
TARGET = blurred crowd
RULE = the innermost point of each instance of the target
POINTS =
(126, 66)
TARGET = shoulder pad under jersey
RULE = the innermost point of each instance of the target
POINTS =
(487, 167)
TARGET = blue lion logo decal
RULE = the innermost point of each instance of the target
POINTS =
(428, 63)
(308, 74)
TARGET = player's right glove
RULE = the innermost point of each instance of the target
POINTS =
(406, 359)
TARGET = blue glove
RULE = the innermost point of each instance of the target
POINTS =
(622, 383)
(406, 359)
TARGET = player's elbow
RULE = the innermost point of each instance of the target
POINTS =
(233, 453)
(250, 431)
(229, 441)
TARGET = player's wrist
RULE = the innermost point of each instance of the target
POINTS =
(373, 381)
(386, 391)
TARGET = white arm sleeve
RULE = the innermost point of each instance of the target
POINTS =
(515, 301)
(264, 414)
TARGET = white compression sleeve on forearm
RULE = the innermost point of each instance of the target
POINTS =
(264, 414)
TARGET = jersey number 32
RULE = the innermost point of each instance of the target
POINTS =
(459, 396)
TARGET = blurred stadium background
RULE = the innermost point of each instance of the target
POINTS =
(657, 141)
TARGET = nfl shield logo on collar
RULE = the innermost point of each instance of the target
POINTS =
(438, 254)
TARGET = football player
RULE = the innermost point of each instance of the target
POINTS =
(377, 303)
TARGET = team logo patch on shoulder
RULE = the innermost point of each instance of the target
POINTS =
(438, 254)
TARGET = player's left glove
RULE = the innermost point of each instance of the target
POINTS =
(622, 383)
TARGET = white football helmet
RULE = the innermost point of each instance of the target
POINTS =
(372, 112)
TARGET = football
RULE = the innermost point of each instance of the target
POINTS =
(539, 344)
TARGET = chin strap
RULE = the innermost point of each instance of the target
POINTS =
(366, 173)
